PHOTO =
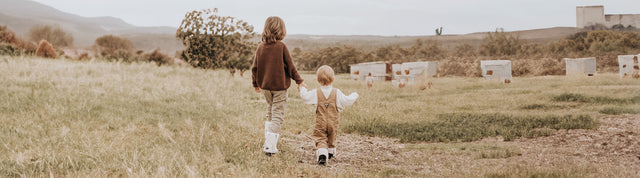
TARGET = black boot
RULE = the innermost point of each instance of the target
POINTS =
(322, 160)
(321, 155)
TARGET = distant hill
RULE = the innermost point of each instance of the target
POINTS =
(22, 15)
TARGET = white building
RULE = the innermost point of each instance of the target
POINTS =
(594, 15)
(496, 69)
(409, 71)
(397, 71)
(581, 66)
(413, 69)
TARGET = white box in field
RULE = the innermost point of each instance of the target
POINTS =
(378, 70)
(628, 65)
(581, 66)
(496, 69)
(397, 71)
(413, 69)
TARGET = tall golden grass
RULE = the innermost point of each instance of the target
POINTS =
(93, 119)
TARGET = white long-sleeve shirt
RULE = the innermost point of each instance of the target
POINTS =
(311, 97)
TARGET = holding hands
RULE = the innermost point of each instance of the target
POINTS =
(302, 85)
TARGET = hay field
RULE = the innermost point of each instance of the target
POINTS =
(69, 118)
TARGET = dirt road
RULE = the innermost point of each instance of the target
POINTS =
(611, 150)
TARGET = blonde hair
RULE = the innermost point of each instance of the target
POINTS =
(274, 30)
(325, 75)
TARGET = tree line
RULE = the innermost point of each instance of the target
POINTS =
(463, 60)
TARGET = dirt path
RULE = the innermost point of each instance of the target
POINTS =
(616, 143)
(612, 149)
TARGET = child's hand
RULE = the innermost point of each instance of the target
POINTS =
(257, 89)
(301, 85)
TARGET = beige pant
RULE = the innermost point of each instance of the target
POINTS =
(276, 103)
(325, 132)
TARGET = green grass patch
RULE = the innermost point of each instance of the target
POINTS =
(541, 107)
(535, 173)
(573, 97)
(619, 110)
(393, 172)
(497, 154)
(472, 126)
(477, 150)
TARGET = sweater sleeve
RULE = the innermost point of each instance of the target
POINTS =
(293, 73)
(308, 97)
(254, 70)
(343, 101)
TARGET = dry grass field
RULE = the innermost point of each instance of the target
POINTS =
(103, 119)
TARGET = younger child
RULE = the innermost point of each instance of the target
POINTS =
(369, 80)
(329, 102)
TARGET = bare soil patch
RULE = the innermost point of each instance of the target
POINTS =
(612, 149)
(616, 143)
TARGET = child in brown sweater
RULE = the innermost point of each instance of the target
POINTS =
(271, 73)
(329, 103)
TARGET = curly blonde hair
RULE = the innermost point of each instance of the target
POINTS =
(325, 75)
(274, 30)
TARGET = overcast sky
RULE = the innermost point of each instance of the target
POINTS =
(357, 17)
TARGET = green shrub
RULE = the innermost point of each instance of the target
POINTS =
(115, 48)
(8, 49)
(159, 58)
(54, 35)
(549, 66)
(213, 41)
(531, 50)
(522, 67)
(10, 44)
(597, 42)
(464, 50)
(84, 56)
(428, 50)
(459, 67)
(500, 43)
(45, 49)
(7, 36)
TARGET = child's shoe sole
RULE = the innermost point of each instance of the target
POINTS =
(322, 160)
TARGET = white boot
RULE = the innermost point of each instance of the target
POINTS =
(332, 152)
(321, 155)
(270, 142)
(266, 128)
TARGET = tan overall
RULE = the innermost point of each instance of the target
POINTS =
(327, 117)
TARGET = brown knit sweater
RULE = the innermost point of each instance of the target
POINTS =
(272, 67)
